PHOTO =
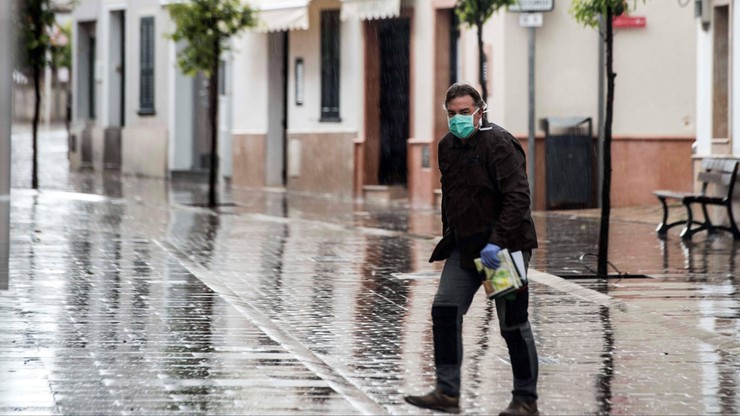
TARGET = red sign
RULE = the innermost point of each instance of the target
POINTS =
(629, 21)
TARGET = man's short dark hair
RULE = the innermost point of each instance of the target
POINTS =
(460, 89)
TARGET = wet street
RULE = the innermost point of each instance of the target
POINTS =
(126, 296)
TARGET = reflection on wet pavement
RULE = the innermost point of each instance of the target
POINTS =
(141, 302)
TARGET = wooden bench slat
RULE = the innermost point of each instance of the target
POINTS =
(724, 165)
(674, 194)
(716, 177)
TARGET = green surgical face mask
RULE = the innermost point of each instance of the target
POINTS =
(462, 125)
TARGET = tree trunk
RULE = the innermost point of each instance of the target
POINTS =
(606, 188)
(481, 62)
(35, 127)
(213, 118)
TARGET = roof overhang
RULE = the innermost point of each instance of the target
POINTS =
(281, 15)
(370, 9)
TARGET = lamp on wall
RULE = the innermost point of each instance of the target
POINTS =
(299, 81)
(703, 11)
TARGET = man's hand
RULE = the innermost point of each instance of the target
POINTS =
(489, 256)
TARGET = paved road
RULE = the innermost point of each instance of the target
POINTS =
(126, 297)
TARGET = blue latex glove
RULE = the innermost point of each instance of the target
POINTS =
(489, 256)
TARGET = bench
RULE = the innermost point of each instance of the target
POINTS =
(715, 172)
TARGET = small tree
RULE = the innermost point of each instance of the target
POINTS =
(207, 26)
(37, 21)
(476, 13)
(61, 57)
(592, 13)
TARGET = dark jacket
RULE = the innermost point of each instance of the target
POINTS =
(485, 195)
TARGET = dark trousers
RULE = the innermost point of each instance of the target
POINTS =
(455, 293)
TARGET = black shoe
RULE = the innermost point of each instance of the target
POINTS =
(436, 400)
(519, 407)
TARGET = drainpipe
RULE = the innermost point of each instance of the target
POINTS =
(7, 51)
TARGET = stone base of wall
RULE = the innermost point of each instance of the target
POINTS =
(81, 153)
(639, 166)
(321, 163)
(248, 159)
(144, 151)
(643, 165)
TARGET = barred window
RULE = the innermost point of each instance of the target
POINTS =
(146, 80)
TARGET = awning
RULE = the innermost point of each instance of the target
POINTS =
(281, 15)
(370, 9)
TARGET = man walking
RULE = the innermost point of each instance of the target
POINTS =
(485, 208)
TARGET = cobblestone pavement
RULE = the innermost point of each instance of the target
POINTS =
(127, 297)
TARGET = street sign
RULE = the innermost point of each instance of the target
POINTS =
(528, 6)
(530, 20)
(629, 21)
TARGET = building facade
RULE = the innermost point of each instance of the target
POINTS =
(718, 95)
(346, 96)
(133, 108)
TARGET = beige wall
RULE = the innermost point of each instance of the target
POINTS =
(144, 150)
(248, 151)
(325, 163)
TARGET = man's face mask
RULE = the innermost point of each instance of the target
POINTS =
(462, 125)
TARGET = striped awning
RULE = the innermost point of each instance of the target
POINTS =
(281, 15)
(370, 9)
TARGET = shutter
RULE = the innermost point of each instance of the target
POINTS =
(146, 64)
(330, 64)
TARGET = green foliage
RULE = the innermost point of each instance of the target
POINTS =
(37, 21)
(477, 12)
(587, 12)
(61, 47)
(206, 26)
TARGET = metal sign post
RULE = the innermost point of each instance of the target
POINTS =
(531, 137)
(6, 114)
(531, 18)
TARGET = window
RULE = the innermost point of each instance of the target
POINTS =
(330, 65)
(146, 65)
(91, 79)
(300, 88)
(454, 38)
(222, 77)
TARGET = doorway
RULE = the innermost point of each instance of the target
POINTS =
(393, 48)
(275, 157)
(116, 91)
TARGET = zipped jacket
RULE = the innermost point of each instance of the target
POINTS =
(485, 195)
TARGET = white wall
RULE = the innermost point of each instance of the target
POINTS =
(656, 82)
(306, 44)
(655, 86)
(249, 76)
(567, 68)
(225, 113)
(181, 121)
(422, 66)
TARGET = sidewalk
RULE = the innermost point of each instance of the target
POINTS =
(126, 298)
